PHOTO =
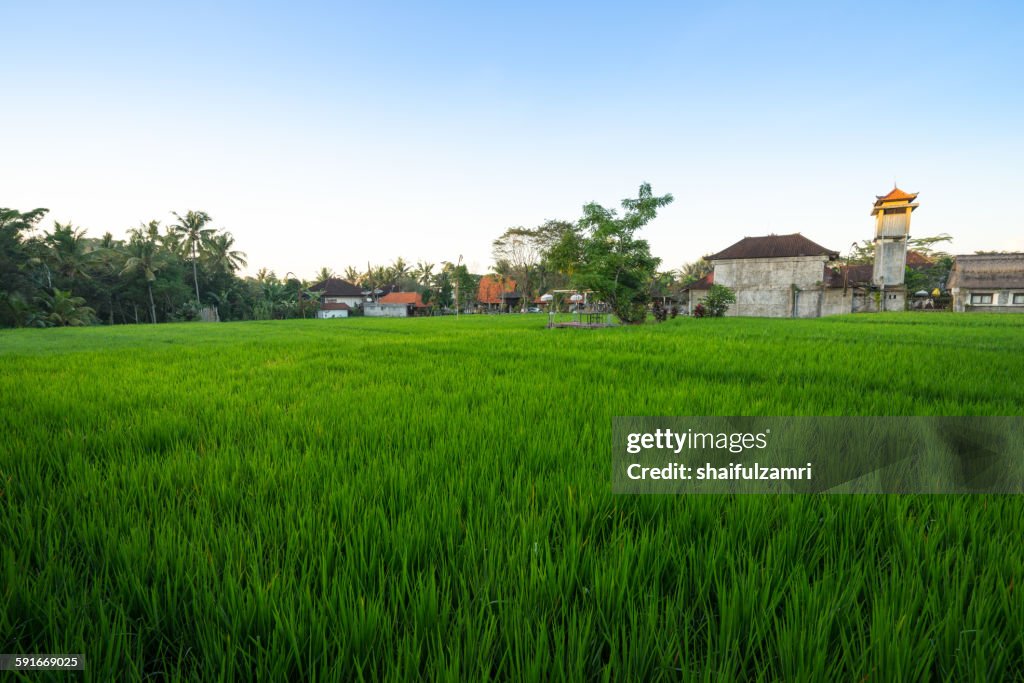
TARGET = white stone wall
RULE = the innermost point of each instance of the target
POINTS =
(890, 265)
(377, 310)
(765, 287)
(352, 301)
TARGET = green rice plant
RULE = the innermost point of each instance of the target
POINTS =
(430, 499)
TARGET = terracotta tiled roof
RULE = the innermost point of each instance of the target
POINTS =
(335, 307)
(490, 291)
(773, 246)
(896, 195)
(703, 283)
(917, 259)
(408, 298)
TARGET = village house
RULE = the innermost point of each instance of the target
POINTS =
(991, 283)
(337, 297)
(396, 305)
(493, 295)
(790, 276)
(694, 293)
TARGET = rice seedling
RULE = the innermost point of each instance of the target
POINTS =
(374, 499)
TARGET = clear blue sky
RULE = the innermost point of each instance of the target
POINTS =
(335, 134)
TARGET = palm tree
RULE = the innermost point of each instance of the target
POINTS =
(399, 270)
(221, 256)
(323, 274)
(691, 272)
(192, 228)
(63, 310)
(354, 276)
(67, 250)
(424, 273)
(145, 258)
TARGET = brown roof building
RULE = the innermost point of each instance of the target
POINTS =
(988, 282)
(773, 246)
(793, 276)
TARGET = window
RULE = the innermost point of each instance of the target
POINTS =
(981, 298)
(1018, 298)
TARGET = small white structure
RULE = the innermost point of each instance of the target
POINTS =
(333, 310)
(380, 309)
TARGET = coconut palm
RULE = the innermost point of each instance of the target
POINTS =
(144, 258)
(424, 273)
(399, 269)
(68, 251)
(60, 309)
(221, 256)
(323, 274)
(192, 229)
(691, 272)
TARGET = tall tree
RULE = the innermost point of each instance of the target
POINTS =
(220, 254)
(424, 273)
(69, 252)
(192, 229)
(399, 271)
(689, 273)
(323, 274)
(353, 275)
(18, 264)
(521, 250)
(615, 264)
(145, 259)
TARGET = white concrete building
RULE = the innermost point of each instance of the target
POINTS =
(790, 276)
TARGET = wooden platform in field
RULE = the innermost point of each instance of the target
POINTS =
(585, 326)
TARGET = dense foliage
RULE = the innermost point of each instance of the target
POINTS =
(718, 300)
(613, 262)
(153, 276)
(63, 277)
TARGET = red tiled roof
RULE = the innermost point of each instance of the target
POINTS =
(335, 307)
(773, 246)
(490, 292)
(703, 283)
(916, 258)
(408, 298)
(896, 195)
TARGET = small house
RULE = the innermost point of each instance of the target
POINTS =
(988, 282)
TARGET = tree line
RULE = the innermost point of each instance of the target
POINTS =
(176, 271)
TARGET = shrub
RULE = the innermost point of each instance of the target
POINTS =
(718, 300)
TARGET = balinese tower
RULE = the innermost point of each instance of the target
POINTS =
(892, 228)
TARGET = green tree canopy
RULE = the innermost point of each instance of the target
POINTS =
(612, 261)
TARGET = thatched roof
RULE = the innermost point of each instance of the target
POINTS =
(987, 271)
